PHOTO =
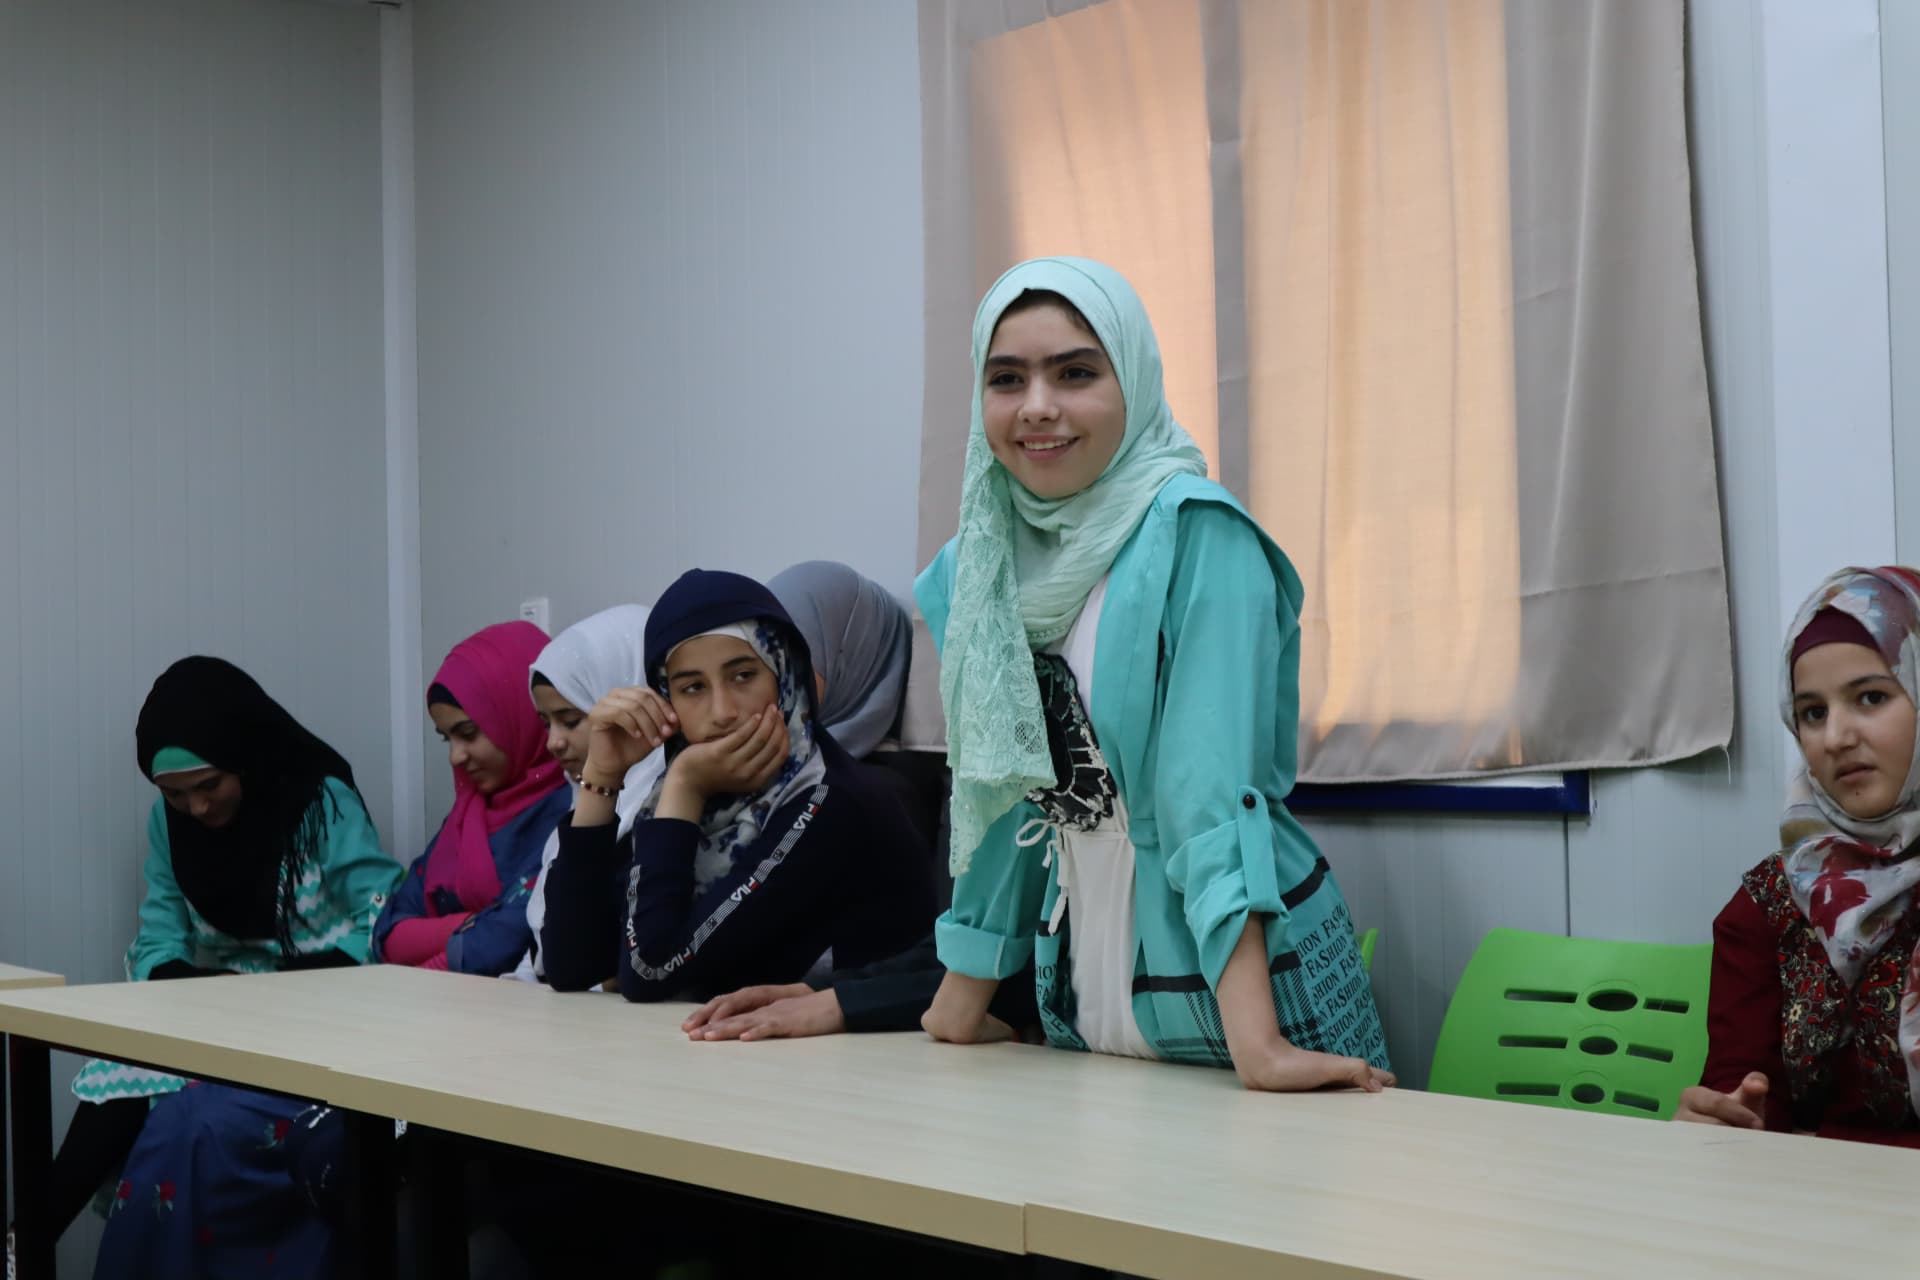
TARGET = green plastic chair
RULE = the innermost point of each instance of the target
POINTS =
(1367, 940)
(1616, 1027)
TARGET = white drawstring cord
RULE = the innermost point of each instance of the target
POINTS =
(1032, 832)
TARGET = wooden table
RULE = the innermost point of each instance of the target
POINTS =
(1405, 1183)
(1151, 1169)
(14, 978)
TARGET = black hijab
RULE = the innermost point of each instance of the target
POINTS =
(243, 878)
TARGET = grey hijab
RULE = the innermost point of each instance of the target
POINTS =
(859, 638)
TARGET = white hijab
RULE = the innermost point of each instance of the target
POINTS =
(584, 663)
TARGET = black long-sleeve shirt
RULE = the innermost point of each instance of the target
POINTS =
(893, 994)
(840, 867)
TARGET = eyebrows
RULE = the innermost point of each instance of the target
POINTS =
(1079, 355)
(207, 783)
(731, 664)
(1858, 682)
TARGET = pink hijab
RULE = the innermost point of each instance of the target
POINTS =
(487, 674)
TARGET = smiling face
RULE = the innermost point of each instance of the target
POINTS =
(1855, 725)
(470, 751)
(1050, 400)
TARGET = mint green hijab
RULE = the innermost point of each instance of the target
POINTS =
(1024, 566)
(175, 760)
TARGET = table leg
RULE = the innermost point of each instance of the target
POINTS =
(439, 1206)
(6, 1156)
(30, 1090)
(370, 1244)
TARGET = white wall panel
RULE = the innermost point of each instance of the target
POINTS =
(190, 416)
(670, 288)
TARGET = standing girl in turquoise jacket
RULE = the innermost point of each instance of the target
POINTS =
(1120, 671)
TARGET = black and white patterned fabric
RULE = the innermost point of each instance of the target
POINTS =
(1082, 796)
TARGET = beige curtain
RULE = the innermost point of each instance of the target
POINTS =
(1422, 271)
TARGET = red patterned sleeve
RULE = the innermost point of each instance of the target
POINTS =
(1743, 1008)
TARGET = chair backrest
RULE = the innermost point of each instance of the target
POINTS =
(1367, 940)
(1619, 1027)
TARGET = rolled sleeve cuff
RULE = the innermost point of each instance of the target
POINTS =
(980, 953)
(1229, 873)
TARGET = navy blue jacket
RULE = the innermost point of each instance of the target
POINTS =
(493, 938)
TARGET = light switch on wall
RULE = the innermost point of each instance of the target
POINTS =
(535, 611)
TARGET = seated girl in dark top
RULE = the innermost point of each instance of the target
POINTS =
(763, 846)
